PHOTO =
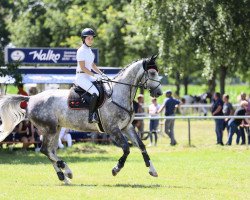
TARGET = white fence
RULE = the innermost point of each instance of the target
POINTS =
(188, 118)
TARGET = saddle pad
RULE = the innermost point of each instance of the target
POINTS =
(75, 101)
(80, 99)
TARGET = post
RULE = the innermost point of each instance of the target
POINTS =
(189, 133)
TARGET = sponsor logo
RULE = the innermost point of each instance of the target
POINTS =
(17, 55)
(42, 56)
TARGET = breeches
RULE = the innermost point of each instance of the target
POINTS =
(86, 82)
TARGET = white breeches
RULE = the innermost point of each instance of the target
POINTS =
(85, 82)
(67, 138)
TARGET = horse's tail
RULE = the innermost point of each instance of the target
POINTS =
(11, 113)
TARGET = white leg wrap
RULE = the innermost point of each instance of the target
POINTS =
(152, 170)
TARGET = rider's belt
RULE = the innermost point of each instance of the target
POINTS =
(80, 72)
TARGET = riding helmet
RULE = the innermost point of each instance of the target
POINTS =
(87, 32)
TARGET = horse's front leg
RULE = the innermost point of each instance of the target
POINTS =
(137, 141)
(122, 142)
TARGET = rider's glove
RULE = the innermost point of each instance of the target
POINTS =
(105, 77)
(98, 77)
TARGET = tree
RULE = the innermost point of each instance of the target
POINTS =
(216, 32)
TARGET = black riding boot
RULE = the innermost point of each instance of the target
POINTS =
(93, 118)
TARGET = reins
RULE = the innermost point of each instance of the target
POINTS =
(140, 84)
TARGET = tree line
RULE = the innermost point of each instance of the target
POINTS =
(197, 40)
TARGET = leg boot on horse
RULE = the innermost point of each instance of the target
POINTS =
(137, 141)
(49, 148)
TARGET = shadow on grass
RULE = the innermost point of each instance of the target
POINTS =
(33, 158)
(142, 186)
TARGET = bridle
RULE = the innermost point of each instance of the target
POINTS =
(146, 67)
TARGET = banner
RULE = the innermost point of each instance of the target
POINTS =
(44, 55)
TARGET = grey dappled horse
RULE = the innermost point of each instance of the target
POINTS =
(49, 111)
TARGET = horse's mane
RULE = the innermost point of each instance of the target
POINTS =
(124, 69)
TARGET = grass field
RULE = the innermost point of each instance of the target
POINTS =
(203, 171)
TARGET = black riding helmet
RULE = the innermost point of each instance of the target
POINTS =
(87, 32)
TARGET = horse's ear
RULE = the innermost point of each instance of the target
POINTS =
(153, 58)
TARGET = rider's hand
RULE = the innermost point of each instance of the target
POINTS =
(105, 77)
(98, 77)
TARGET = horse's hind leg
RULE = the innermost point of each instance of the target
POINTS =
(122, 142)
(49, 146)
(137, 141)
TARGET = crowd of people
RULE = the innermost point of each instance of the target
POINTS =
(240, 126)
(221, 106)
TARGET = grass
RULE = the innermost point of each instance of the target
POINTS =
(203, 171)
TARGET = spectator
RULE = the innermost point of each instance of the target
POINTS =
(139, 124)
(21, 91)
(248, 112)
(170, 104)
(153, 124)
(243, 128)
(136, 107)
(227, 108)
(217, 108)
(64, 136)
(33, 91)
(25, 134)
(233, 124)
(248, 121)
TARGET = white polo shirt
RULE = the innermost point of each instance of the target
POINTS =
(85, 53)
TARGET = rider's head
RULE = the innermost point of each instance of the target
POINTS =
(87, 36)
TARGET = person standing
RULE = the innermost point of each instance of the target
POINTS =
(153, 124)
(243, 128)
(233, 124)
(227, 108)
(21, 91)
(170, 105)
(217, 108)
(139, 110)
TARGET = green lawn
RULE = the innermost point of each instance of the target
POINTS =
(203, 171)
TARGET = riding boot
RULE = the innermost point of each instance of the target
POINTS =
(93, 118)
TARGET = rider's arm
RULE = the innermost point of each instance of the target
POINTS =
(95, 68)
(84, 69)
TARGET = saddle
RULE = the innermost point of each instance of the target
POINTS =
(79, 98)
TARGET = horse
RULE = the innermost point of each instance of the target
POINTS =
(49, 111)
(197, 99)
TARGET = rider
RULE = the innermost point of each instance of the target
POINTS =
(84, 75)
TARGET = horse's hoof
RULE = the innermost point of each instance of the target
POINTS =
(60, 176)
(67, 181)
(115, 171)
(69, 175)
(154, 174)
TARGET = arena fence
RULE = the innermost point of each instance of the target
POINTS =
(188, 118)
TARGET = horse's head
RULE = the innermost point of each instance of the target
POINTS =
(151, 79)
